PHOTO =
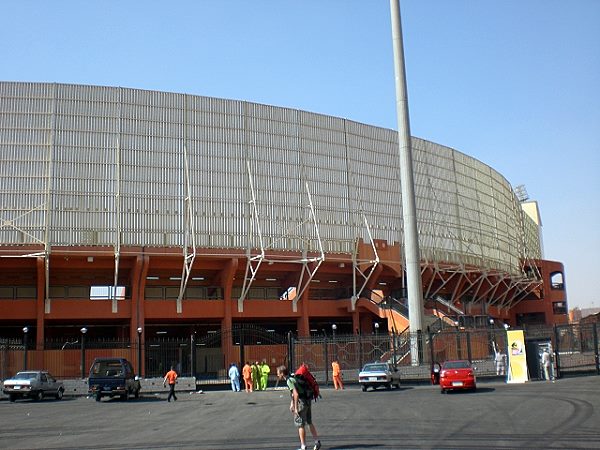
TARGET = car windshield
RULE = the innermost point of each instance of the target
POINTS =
(375, 368)
(107, 368)
(457, 365)
(25, 376)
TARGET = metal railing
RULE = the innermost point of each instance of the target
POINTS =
(575, 350)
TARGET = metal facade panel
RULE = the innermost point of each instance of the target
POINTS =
(83, 188)
(25, 136)
(82, 147)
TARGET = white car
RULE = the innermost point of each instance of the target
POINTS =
(379, 374)
(35, 384)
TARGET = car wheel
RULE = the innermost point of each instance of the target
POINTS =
(98, 397)
(12, 398)
(39, 395)
(59, 394)
(442, 391)
(364, 388)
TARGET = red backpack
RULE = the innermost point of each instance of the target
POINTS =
(307, 383)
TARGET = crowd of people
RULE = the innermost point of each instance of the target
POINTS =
(255, 376)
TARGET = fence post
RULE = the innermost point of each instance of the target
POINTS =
(556, 348)
(596, 355)
(420, 346)
(290, 355)
(469, 353)
(193, 354)
(394, 349)
(326, 359)
(242, 351)
(431, 355)
(360, 351)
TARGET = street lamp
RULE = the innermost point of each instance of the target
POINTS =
(139, 334)
(25, 331)
(493, 335)
(333, 330)
(376, 325)
(83, 330)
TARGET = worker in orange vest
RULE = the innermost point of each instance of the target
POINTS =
(337, 375)
(247, 375)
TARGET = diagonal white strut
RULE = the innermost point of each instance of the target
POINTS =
(253, 262)
(303, 285)
(356, 268)
(189, 234)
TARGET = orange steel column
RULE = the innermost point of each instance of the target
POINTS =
(138, 288)
(40, 302)
(227, 322)
(303, 320)
(355, 322)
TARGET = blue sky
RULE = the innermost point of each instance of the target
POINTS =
(515, 83)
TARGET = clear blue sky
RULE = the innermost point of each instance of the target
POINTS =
(514, 83)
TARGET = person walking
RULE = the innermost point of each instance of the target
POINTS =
(171, 378)
(300, 408)
(265, 370)
(234, 376)
(337, 375)
(247, 375)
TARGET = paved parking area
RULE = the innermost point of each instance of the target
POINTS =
(536, 415)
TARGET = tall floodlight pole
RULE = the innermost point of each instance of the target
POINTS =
(407, 183)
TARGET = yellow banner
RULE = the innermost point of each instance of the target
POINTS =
(517, 357)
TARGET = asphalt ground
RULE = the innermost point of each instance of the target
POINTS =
(534, 415)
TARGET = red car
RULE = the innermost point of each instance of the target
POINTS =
(457, 375)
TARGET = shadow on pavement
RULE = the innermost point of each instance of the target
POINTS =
(479, 390)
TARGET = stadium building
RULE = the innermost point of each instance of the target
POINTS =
(124, 209)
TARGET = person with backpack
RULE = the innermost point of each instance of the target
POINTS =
(300, 405)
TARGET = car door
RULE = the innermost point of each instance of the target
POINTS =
(51, 387)
(44, 383)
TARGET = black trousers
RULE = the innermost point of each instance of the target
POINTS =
(172, 392)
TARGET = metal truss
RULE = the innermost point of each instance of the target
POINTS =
(189, 234)
(310, 265)
(356, 269)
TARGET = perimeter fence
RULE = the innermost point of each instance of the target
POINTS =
(575, 350)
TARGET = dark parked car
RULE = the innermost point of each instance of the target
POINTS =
(110, 377)
(35, 384)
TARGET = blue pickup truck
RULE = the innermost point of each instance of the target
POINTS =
(111, 377)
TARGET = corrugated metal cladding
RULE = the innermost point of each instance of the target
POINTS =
(87, 165)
